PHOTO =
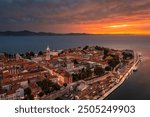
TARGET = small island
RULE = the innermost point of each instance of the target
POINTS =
(81, 73)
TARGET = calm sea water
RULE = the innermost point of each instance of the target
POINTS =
(136, 86)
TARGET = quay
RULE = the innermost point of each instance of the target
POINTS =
(124, 77)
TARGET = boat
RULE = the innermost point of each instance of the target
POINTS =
(135, 68)
(139, 54)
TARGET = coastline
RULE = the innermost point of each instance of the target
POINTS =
(124, 77)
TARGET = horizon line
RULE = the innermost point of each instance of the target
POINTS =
(76, 33)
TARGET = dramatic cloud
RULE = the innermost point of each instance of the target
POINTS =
(91, 16)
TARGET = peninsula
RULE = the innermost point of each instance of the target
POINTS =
(79, 73)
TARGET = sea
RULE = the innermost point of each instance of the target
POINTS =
(136, 87)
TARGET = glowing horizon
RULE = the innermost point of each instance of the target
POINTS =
(76, 16)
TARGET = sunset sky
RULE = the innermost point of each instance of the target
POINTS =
(82, 16)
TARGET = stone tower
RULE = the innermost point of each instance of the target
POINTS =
(48, 53)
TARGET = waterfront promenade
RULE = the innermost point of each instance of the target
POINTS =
(123, 78)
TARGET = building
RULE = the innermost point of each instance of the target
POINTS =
(48, 53)
(15, 93)
(54, 53)
(2, 95)
(24, 84)
(129, 51)
(37, 59)
(70, 65)
(103, 64)
(18, 57)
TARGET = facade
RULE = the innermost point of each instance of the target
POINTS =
(13, 94)
(24, 84)
(70, 65)
(18, 57)
(54, 53)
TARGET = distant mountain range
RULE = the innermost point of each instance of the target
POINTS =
(30, 33)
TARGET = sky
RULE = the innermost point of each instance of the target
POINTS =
(76, 16)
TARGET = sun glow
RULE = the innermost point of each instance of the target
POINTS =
(119, 26)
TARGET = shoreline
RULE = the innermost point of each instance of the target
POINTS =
(122, 79)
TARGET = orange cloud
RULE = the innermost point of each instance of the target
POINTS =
(124, 25)
(83, 16)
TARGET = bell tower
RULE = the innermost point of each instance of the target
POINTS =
(48, 53)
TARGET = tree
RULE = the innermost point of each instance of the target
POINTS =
(98, 48)
(108, 68)
(75, 77)
(56, 86)
(22, 55)
(27, 91)
(65, 84)
(114, 62)
(27, 55)
(30, 97)
(41, 94)
(75, 61)
(6, 54)
(0, 85)
(99, 71)
(28, 94)
(88, 71)
(83, 74)
(40, 53)
(127, 55)
(106, 51)
(48, 86)
(86, 47)
(32, 54)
